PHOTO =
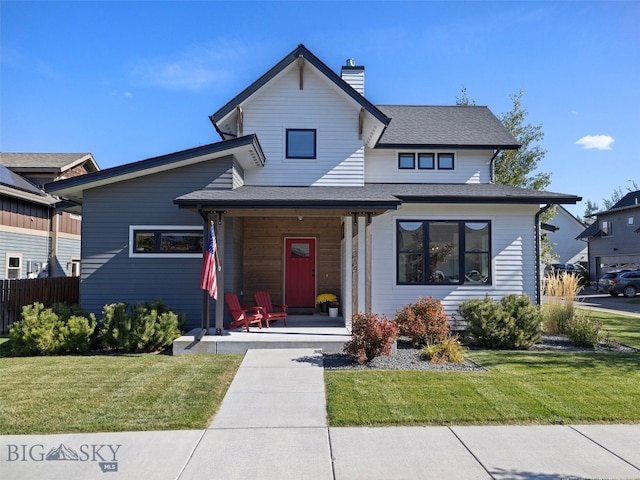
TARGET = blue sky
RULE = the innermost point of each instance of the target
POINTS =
(132, 80)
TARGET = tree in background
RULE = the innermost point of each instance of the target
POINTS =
(592, 207)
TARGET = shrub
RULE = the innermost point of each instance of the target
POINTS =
(585, 332)
(50, 331)
(371, 336)
(512, 323)
(145, 327)
(447, 350)
(424, 321)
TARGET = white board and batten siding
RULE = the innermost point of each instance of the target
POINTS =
(512, 250)
(281, 105)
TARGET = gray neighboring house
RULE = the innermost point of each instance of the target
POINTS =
(313, 189)
(36, 237)
(563, 236)
(614, 238)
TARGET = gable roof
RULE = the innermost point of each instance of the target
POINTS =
(46, 162)
(416, 126)
(247, 151)
(299, 51)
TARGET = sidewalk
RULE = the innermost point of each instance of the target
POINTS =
(272, 425)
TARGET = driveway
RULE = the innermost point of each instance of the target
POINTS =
(589, 298)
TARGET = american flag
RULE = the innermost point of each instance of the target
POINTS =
(208, 281)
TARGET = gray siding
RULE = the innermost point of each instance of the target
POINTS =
(32, 247)
(68, 249)
(622, 247)
(108, 273)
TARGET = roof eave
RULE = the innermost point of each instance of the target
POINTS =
(398, 146)
(506, 199)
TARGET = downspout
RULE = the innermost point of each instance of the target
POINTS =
(492, 167)
(538, 277)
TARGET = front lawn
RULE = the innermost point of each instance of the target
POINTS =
(517, 388)
(105, 393)
(624, 329)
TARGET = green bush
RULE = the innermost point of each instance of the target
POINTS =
(512, 323)
(371, 336)
(145, 327)
(50, 331)
(447, 350)
(557, 317)
(424, 321)
(585, 332)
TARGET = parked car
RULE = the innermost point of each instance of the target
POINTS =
(626, 282)
(572, 268)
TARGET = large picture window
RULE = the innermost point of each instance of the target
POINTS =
(443, 252)
(301, 143)
(165, 241)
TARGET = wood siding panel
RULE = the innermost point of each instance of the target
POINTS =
(264, 253)
(21, 214)
(513, 252)
(470, 167)
(109, 274)
(282, 105)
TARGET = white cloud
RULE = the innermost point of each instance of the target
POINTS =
(601, 142)
(196, 67)
(127, 94)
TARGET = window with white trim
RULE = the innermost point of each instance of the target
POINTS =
(13, 262)
(443, 252)
(165, 241)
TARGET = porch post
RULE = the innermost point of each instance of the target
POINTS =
(347, 269)
(362, 265)
(220, 234)
(367, 265)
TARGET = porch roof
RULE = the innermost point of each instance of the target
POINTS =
(370, 196)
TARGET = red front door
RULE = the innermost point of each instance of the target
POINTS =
(300, 272)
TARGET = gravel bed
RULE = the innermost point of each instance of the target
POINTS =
(408, 358)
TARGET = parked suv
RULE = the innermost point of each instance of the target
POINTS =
(572, 268)
(625, 282)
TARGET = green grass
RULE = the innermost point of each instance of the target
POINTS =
(103, 393)
(622, 328)
(517, 388)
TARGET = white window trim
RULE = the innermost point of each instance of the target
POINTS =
(133, 228)
(7, 256)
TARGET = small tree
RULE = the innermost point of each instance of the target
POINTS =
(371, 336)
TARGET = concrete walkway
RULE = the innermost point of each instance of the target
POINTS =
(272, 425)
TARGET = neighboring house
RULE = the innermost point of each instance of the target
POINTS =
(314, 189)
(614, 238)
(562, 236)
(36, 238)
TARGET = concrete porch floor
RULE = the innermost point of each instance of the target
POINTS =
(302, 331)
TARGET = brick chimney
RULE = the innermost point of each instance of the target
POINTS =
(353, 75)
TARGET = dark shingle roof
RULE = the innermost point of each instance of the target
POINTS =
(13, 180)
(444, 126)
(592, 230)
(373, 195)
(54, 161)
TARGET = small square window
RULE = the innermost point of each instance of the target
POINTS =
(426, 161)
(301, 143)
(445, 161)
(406, 161)
(630, 220)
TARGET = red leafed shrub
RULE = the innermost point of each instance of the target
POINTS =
(425, 321)
(371, 336)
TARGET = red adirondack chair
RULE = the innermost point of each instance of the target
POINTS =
(263, 299)
(242, 316)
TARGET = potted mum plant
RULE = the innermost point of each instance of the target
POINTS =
(324, 299)
(333, 309)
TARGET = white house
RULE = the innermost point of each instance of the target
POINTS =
(315, 189)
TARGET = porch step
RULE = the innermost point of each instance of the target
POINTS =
(303, 331)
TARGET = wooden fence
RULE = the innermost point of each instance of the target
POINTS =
(14, 294)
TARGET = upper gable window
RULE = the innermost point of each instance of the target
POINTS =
(301, 143)
(425, 161)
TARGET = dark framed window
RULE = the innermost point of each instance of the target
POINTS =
(443, 252)
(165, 241)
(445, 161)
(426, 161)
(406, 161)
(301, 143)
(607, 228)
